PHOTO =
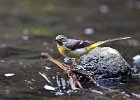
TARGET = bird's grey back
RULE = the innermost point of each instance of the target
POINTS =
(73, 44)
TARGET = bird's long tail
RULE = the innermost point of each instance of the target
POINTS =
(92, 46)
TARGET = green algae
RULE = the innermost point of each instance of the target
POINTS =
(40, 31)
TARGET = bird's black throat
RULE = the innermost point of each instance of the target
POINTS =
(60, 43)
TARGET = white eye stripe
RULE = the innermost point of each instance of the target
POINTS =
(62, 38)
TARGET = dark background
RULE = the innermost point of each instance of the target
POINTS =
(42, 20)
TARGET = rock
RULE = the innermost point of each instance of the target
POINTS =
(106, 65)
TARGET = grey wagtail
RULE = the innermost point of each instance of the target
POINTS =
(76, 48)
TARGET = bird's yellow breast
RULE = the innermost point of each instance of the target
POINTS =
(62, 50)
(66, 53)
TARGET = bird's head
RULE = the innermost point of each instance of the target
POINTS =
(60, 39)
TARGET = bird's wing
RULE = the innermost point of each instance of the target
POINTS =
(73, 44)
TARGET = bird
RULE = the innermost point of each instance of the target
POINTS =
(74, 48)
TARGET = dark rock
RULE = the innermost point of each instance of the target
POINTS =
(107, 66)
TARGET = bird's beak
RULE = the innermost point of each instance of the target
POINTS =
(58, 41)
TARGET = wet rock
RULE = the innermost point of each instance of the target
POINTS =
(107, 66)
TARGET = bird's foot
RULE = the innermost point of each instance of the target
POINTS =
(74, 64)
(69, 71)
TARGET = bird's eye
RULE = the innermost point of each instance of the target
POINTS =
(63, 39)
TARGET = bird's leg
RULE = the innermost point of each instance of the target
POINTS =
(75, 63)
(69, 70)
(78, 61)
(75, 83)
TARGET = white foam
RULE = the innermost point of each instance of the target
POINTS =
(95, 91)
(47, 87)
(47, 67)
(44, 76)
(136, 59)
(59, 93)
(9, 74)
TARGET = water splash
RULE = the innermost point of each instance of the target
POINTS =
(9, 74)
(47, 87)
(45, 77)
